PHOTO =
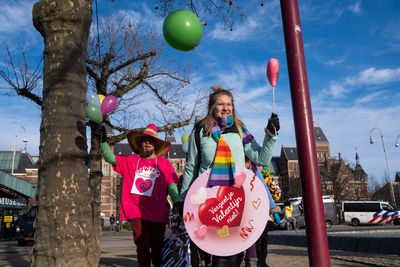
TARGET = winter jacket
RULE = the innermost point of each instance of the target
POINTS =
(208, 146)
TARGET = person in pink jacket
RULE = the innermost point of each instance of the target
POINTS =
(147, 179)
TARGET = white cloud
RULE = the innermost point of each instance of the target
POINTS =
(325, 12)
(336, 90)
(340, 88)
(16, 16)
(14, 113)
(374, 76)
(335, 61)
(241, 32)
(368, 98)
(356, 8)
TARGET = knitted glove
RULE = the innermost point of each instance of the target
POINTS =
(273, 124)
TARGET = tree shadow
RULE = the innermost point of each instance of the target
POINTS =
(118, 260)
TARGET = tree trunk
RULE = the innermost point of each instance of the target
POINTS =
(65, 233)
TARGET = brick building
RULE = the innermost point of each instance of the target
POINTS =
(343, 181)
(337, 178)
(384, 193)
(289, 164)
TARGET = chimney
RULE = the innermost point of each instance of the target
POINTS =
(327, 162)
(340, 156)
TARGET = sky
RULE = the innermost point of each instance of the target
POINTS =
(352, 51)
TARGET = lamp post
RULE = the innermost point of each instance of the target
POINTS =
(25, 140)
(397, 143)
(387, 160)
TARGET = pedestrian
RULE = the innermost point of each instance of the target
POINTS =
(256, 255)
(275, 216)
(112, 223)
(222, 124)
(147, 178)
(288, 209)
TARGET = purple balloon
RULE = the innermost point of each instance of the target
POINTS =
(109, 104)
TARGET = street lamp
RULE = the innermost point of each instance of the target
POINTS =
(397, 143)
(387, 160)
(25, 140)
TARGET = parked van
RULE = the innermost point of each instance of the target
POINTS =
(24, 231)
(330, 211)
(369, 212)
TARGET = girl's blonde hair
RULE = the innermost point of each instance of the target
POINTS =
(209, 119)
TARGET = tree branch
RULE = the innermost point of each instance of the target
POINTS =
(132, 60)
(118, 138)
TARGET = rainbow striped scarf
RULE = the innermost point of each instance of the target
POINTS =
(223, 170)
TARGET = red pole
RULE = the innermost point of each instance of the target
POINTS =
(318, 251)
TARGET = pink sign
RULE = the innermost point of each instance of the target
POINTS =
(226, 220)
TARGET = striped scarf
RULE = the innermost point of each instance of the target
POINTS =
(223, 170)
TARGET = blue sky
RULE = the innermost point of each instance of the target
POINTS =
(352, 51)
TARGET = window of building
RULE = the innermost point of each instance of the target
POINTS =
(105, 168)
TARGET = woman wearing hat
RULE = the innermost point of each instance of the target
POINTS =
(221, 129)
(147, 178)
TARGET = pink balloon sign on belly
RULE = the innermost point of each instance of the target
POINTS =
(226, 220)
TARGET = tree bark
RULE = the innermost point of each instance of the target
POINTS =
(65, 234)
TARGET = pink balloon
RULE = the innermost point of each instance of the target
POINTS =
(108, 104)
(273, 71)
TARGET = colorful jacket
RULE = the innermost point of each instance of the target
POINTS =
(258, 154)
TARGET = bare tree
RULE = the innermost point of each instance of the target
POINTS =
(129, 64)
(295, 188)
(20, 75)
(336, 176)
(373, 184)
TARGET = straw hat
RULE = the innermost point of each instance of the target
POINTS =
(135, 140)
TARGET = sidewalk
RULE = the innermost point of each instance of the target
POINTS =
(371, 241)
(278, 255)
(119, 250)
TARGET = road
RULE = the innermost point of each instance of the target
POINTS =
(118, 250)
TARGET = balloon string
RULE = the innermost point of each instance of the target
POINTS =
(273, 99)
(225, 85)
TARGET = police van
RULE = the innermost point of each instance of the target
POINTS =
(369, 212)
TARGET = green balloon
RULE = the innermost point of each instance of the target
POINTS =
(93, 112)
(185, 138)
(182, 30)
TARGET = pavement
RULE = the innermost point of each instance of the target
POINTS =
(384, 240)
(286, 248)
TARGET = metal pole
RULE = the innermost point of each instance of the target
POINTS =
(25, 140)
(387, 162)
(318, 251)
(15, 144)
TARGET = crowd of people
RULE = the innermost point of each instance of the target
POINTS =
(148, 178)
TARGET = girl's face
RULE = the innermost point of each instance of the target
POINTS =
(223, 106)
